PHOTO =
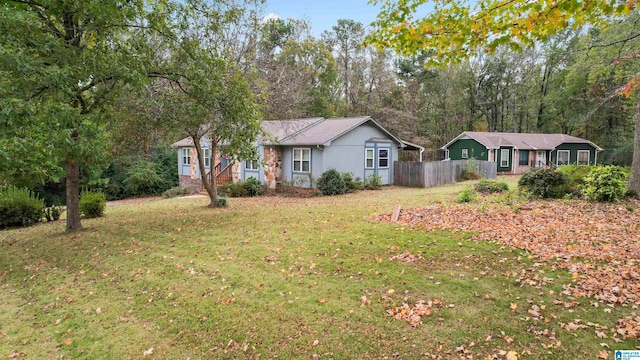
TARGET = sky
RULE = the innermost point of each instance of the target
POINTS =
(323, 14)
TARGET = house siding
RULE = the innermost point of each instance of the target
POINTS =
(347, 153)
(573, 152)
(476, 150)
(509, 167)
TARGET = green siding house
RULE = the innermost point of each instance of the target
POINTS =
(517, 153)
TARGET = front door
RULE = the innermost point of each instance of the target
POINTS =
(541, 158)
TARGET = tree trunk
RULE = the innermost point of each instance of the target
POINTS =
(211, 187)
(73, 196)
(634, 179)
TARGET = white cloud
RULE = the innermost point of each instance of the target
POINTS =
(270, 17)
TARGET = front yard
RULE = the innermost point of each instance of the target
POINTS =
(326, 277)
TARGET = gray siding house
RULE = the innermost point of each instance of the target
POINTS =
(518, 152)
(297, 149)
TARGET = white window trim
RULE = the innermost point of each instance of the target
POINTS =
(301, 161)
(373, 158)
(588, 157)
(558, 156)
(186, 156)
(388, 156)
(465, 153)
(207, 156)
(504, 161)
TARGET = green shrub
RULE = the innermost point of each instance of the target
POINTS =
(19, 207)
(250, 187)
(53, 213)
(253, 187)
(373, 182)
(543, 183)
(175, 192)
(92, 203)
(332, 183)
(605, 183)
(574, 176)
(351, 182)
(466, 195)
(143, 179)
(221, 201)
(491, 186)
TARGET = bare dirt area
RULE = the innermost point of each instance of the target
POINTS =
(599, 244)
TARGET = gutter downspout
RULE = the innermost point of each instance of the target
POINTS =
(422, 150)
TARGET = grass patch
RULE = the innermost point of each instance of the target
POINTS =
(279, 277)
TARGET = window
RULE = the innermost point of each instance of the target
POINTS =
(465, 153)
(583, 157)
(524, 157)
(251, 165)
(368, 158)
(504, 158)
(563, 157)
(186, 156)
(207, 157)
(302, 160)
(383, 158)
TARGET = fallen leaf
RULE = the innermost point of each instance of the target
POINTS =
(512, 355)
(67, 341)
(603, 354)
(513, 306)
(148, 352)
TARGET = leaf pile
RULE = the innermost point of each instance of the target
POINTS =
(598, 243)
(413, 314)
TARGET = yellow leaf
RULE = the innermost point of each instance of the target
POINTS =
(514, 306)
(512, 355)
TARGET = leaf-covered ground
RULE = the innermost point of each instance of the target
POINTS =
(598, 243)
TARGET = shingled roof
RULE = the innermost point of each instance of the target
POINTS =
(522, 141)
(308, 131)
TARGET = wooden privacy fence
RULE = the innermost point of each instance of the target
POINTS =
(428, 174)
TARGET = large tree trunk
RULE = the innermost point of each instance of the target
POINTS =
(634, 179)
(211, 187)
(73, 196)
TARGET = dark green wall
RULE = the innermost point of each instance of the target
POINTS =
(573, 152)
(476, 150)
(499, 159)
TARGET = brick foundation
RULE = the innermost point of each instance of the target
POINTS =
(194, 185)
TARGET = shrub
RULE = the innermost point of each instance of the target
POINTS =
(467, 174)
(491, 186)
(253, 187)
(470, 170)
(575, 175)
(175, 192)
(543, 183)
(143, 179)
(351, 182)
(92, 203)
(373, 182)
(466, 195)
(250, 187)
(605, 183)
(233, 189)
(53, 213)
(19, 207)
(332, 183)
(221, 201)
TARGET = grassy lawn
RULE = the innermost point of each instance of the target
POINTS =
(275, 277)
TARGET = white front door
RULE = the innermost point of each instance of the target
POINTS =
(541, 158)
